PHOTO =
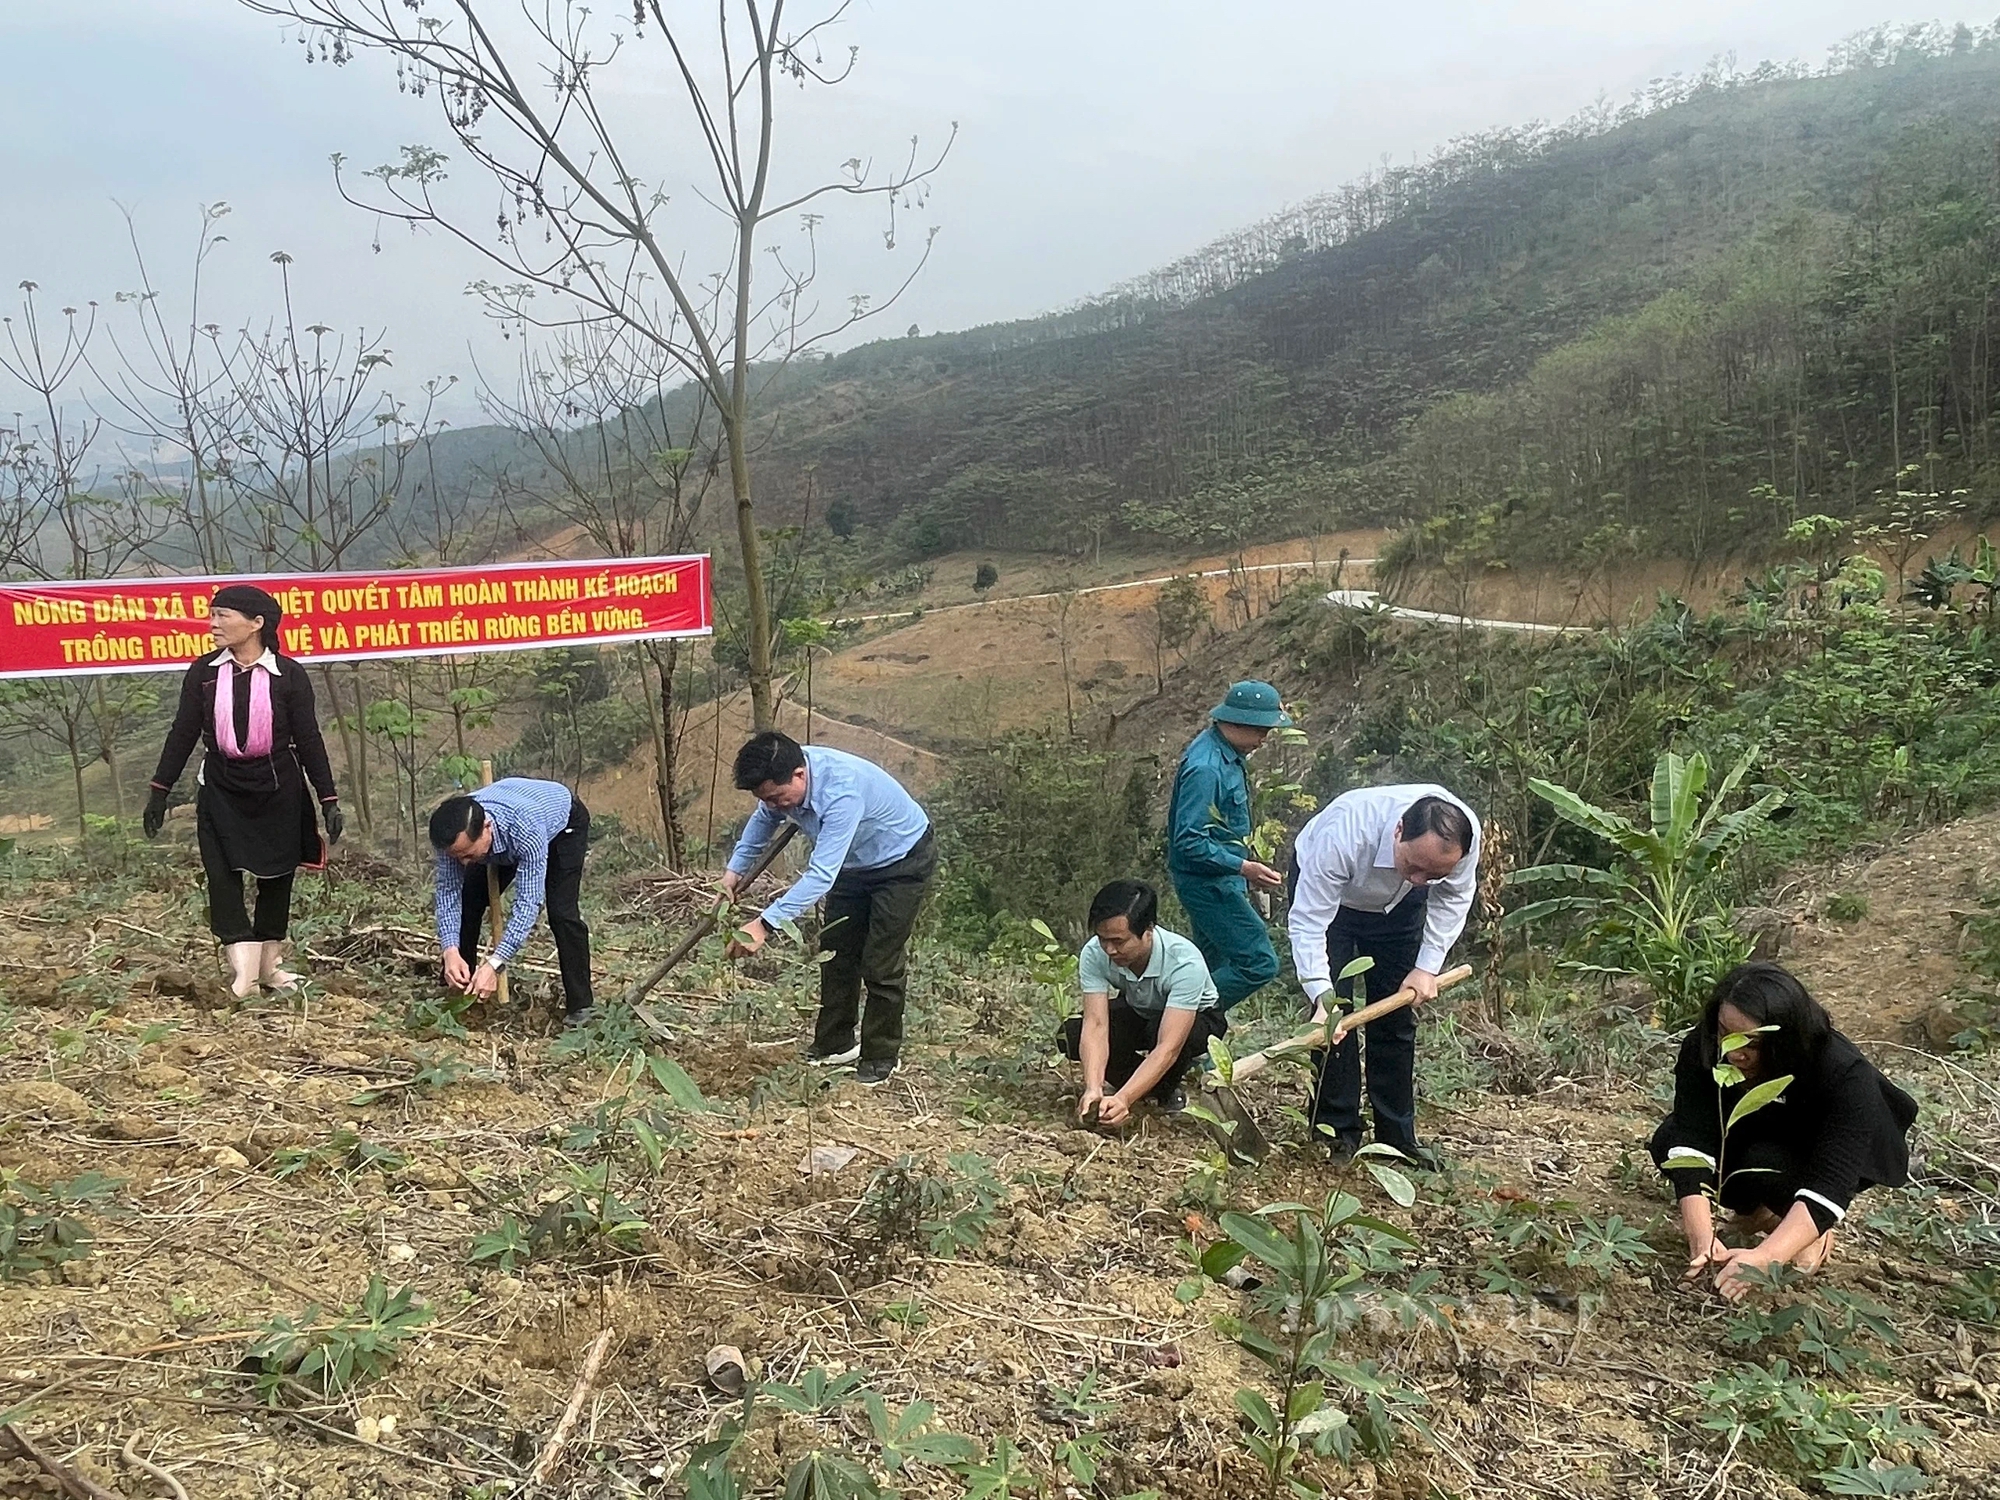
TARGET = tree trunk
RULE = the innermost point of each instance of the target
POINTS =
(660, 710)
(361, 751)
(757, 608)
(76, 775)
(108, 745)
(358, 782)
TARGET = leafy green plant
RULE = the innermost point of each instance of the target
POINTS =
(1868, 1479)
(1052, 966)
(1829, 1326)
(343, 1150)
(613, 1032)
(1078, 1410)
(1001, 1476)
(1845, 906)
(362, 1343)
(433, 1074)
(1977, 1297)
(506, 1245)
(1818, 1430)
(906, 1206)
(1312, 1298)
(39, 1229)
(911, 1437)
(1658, 914)
(439, 1015)
(1728, 1076)
(817, 1393)
(906, 1440)
(1607, 1246)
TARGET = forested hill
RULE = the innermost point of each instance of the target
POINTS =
(1681, 325)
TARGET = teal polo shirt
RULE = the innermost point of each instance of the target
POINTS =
(1176, 977)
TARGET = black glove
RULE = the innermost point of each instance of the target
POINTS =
(154, 818)
(336, 824)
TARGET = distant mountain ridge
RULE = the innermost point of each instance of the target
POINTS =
(1681, 324)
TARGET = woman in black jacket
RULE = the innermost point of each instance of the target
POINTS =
(253, 711)
(1791, 1167)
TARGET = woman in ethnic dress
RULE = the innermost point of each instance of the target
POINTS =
(252, 710)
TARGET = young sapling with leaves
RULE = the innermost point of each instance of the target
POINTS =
(1778, 1118)
(1149, 1007)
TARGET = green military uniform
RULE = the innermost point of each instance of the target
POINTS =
(1208, 832)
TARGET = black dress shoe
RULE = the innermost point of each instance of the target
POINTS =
(1423, 1158)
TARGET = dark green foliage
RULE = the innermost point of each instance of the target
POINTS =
(1863, 719)
(356, 1347)
(1745, 298)
(1837, 1331)
(39, 1227)
(1817, 1429)
(1033, 826)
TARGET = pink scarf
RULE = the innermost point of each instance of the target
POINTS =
(225, 712)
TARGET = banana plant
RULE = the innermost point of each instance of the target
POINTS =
(1658, 909)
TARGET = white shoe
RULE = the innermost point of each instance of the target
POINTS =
(245, 960)
(269, 974)
(833, 1059)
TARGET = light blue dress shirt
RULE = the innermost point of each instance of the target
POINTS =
(857, 815)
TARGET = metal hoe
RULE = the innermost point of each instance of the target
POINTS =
(1224, 1115)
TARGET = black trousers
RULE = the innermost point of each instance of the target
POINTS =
(1134, 1035)
(229, 917)
(866, 920)
(1392, 939)
(563, 886)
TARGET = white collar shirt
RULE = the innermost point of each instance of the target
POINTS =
(268, 661)
(1346, 856)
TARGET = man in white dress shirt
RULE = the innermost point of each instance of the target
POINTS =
(1386, 873)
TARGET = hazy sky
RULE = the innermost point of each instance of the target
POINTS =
(1097, 137)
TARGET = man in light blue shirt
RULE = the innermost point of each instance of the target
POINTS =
(1149, 1007)
(873, 859)
(534, 834)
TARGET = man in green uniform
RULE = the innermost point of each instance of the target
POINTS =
(1208, 850)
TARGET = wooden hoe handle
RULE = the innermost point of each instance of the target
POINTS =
(1305, 1041)
(1395, 1003)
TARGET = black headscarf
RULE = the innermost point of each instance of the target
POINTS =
(247, 599)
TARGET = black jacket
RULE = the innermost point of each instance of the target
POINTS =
(294, 732)
(1843, 1127)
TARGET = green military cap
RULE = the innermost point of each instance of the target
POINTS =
(1253, 703)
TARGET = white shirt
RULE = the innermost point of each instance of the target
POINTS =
(268, 660)
(1347, 857)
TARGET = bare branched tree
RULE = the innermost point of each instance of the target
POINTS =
(628, 454)
(273, 449)
(60, 519)
(584, 220)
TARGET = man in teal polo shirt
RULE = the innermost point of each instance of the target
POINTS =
(1149, 1007)
(1208, 848)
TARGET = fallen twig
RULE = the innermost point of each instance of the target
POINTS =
(593, 1361)
(130, 1453)
(73, 1483)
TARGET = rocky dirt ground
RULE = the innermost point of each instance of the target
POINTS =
(272, 1158)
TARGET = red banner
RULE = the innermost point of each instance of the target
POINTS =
(158, 624)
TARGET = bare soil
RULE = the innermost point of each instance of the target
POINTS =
(1587, 1387)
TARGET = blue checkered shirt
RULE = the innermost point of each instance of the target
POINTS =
(526, 816)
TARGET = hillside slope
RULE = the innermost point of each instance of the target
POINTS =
(1787, 282)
